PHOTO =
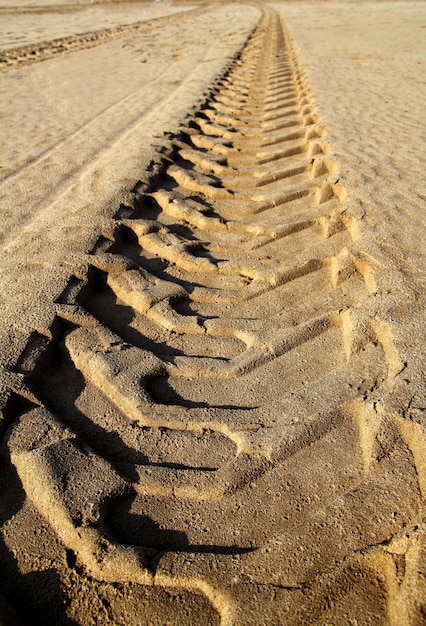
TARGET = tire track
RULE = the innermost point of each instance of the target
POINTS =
(208, 406)
(33, 53)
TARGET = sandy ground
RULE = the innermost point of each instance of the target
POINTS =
(35, 23)
(213, 289)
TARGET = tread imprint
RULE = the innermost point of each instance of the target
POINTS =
(220, 341)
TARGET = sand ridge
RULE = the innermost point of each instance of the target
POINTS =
(215, 421)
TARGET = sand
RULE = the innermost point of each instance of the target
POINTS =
(213, 291)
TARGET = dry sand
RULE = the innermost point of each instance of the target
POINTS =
(213, 289)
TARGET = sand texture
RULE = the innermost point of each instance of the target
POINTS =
(213, 294)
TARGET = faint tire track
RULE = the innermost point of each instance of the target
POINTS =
(33, 53)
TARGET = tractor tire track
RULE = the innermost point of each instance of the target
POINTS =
(33, 53)
(207, 410)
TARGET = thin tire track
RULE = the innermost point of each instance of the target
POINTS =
(34, 53)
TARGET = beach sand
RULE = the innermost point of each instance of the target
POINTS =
(212, 279)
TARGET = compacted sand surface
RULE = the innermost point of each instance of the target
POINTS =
(213, 288)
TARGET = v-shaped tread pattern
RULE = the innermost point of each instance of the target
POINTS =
(219, 350)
